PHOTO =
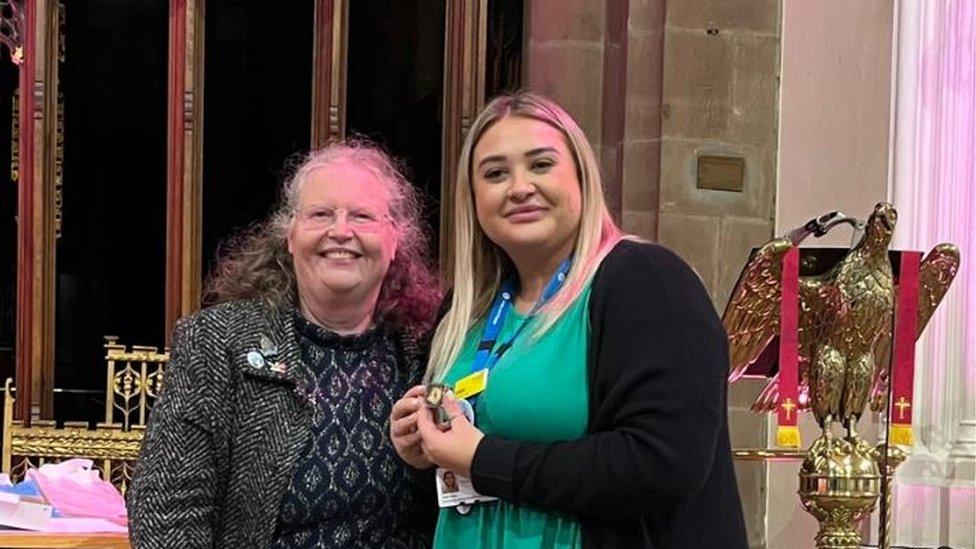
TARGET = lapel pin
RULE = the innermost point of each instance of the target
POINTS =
(268, 349)
(255, 359)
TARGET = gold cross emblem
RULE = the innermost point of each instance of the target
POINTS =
(789, 407)
(902, 405)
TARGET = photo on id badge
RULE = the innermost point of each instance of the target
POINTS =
(454, 489)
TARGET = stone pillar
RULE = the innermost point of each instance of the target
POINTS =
(721, 97)
(611, 153)
(642, 135)
(602, 60)
(563, 57)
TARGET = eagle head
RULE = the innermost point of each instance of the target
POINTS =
(880, 226)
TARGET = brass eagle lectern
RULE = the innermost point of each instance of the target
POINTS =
(844, 335)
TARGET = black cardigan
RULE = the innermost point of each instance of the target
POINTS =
(655, 468)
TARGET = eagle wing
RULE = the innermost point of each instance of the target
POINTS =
(935, 275)
(752, 316)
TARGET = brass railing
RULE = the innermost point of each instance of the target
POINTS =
(133, 380)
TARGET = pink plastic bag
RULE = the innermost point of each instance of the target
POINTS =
(75, 490)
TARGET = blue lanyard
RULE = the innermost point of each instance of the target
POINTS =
(487, 355)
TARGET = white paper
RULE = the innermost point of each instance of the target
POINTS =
(23, 512)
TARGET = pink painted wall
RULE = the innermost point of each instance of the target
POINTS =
(834, 110)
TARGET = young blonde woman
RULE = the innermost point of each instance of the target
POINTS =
(594, 364)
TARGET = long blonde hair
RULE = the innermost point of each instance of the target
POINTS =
(480, 265)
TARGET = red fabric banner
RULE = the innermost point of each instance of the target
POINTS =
(787, 433)
(903, 350)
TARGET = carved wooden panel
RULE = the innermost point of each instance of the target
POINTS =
(37, 206)
(464, 96)
(329, 60)
(12, 28)
(184, 166)
(27, 318)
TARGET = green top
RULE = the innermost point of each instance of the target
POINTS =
(537, 392)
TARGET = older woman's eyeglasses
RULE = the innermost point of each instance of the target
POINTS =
(324, 217)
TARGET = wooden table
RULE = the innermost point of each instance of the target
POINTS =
(31, 540)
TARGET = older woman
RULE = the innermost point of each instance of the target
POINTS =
(271, 427)
(596, 363)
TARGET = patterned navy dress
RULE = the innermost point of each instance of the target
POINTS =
(350, 489)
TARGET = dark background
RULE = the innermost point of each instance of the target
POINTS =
(111, 256)
(256, 111)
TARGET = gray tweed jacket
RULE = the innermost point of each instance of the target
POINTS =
(224, 437)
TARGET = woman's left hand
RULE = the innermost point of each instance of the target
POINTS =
(403, 428)
(454, 447)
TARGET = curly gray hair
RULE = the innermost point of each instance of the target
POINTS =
(257, 264)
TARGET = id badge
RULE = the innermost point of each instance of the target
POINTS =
(454, 490)
(471, 384)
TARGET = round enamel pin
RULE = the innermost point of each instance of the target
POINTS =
(255, 359)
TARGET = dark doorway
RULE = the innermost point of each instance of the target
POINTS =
(8, 216)
(257, 110)
(395, 85)
(111, 253)
(503, 45)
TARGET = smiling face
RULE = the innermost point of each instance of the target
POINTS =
(526, 189)
(450, 482)
(341, 238)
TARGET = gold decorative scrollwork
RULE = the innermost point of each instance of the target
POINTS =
(59, 166)
(112, 449)
(59, 134)
(154, 383)
(126, 390)
(19, 471)
(12, 28)
(134, 379)
(121, 475)
(60, 443)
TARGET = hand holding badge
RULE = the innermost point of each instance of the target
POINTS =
(453, 488)
(433, 399)
(434, 394)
